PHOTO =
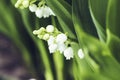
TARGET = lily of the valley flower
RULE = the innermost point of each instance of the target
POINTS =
(51, 40)
(52, 48)
(61, 47)
(61, 38)
(50, 28)
(39, 12)
(81, 54)
(33, 7)
(43, 11)
(68, 53)
(46, 12)
(46, 37)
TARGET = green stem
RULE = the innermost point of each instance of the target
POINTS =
(43, 53)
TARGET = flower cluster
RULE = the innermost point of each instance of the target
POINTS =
(43, 11)
(56, 40)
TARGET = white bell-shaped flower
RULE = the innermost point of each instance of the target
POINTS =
(61, 38)
(81, 54)
(46, 12)
(61, 47)
(68, 53)
(51, 40)
(39, 12)
(52, 48)
(33, 7)
(50, 28)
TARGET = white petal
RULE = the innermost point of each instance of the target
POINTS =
(52, 48)
(68, 53)
(81, 54)
(39, 12)
(46, 12)
(50, 28)
(51, 40)
(33, 7)
(61, 47)
(61, 38)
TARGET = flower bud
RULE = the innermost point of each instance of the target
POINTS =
(40, 36)
(46, 36)
(81, 54)
(35, 32)
(25, 3)
(18, 3)
(50, 28)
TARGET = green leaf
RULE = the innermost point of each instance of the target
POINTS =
(96, 49)
(113, 43)
(83, 16)
(63, 12)
(113, 17)
(101, 55)
(98, 11)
